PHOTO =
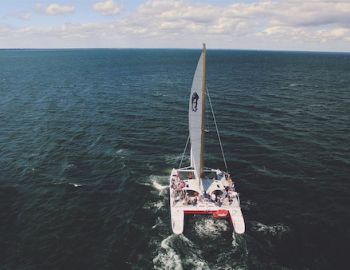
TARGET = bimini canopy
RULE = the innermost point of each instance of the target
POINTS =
(192, 185)
(216, 185)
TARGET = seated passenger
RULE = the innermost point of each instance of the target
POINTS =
(197, 196)
(182, 184)
(220, 200)
(193, 200)
(226, 201)
(173, 185)
(177, 196)
(218, 174)
(231, 194)
(178, 175)
(229, 181)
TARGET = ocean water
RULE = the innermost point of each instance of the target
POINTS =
(88, 139)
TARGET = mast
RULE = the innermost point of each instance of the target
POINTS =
(204, 87)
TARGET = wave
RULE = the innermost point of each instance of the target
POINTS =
(210, 227)
(167, 258)
(247, 205)
(158, 223)
(75, 184)
(178, 252)
(155, 206)
(175, 159)
(274, 230)
(160, 183)
(122, 153)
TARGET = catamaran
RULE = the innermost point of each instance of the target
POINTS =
(196, 189)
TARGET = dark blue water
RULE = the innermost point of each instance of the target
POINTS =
(88, 139)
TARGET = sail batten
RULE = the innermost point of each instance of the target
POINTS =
(196, 119)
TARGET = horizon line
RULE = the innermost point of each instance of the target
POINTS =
(172, 48)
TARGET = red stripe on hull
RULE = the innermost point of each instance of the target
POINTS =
(218, 214)
(199, 212)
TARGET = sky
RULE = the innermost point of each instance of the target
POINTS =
(306, 25)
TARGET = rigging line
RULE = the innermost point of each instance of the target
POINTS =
(217, 130)
(183, 154)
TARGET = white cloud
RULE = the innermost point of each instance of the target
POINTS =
(107, 8)
(338, 33)
(264, 24)
(259, 22)
(25, 16)
(56, 9)
(4, 30)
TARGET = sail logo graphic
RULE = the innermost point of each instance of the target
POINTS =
(195, 98)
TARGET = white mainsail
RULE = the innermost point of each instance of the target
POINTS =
(195, 116)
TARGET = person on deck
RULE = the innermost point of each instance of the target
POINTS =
(213, 197)
(182, 184)
(218, 174)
